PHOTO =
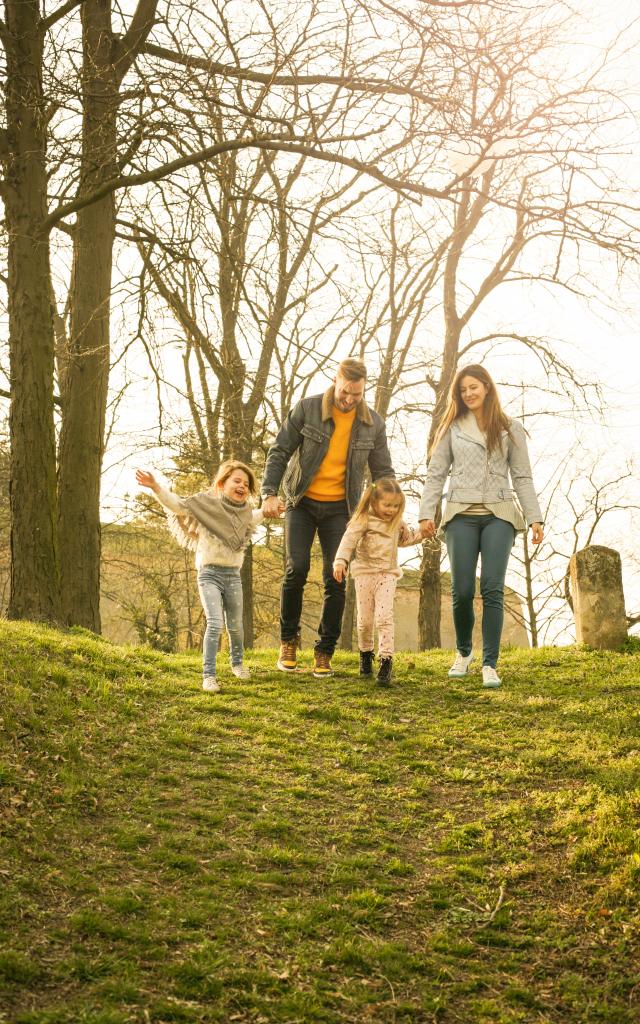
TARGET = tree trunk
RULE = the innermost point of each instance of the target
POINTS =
(430, 597)
(430, 585)
(35, 584)
(531, 607)
(84, 400)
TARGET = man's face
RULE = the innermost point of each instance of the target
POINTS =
(347, 393)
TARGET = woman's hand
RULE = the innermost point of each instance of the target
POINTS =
(427, 528)
(339, 571)
(537, 533)
(146, 479)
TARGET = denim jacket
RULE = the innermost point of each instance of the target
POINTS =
(303, 441)
(476, 476)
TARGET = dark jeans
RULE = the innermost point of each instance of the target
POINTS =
(490, 538)
(329, 519)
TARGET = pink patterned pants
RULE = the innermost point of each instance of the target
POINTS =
(375, 592)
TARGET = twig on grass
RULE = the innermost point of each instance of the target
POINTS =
(499, 903)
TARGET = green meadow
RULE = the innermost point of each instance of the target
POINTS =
(296, 850)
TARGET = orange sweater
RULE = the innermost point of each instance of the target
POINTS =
(329, 482)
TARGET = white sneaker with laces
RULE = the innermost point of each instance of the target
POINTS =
(460, 666)
(241, 671)
(490, 678)
(211, 684)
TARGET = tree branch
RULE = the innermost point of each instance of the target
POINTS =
(131, 43)
(373, 85)
(164, 170)
(57, 15)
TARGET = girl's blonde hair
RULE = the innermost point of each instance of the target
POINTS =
(495, 419)
(375, 490)
(227, 468)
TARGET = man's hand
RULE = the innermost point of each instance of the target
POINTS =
(537, 533)
(339, 571)
(146, 479)
(427, 528)
(272, 507)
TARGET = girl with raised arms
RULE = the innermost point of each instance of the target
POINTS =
(216, 524)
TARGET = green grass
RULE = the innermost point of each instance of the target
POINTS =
(293, 850)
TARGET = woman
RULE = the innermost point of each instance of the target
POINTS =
(481, 447)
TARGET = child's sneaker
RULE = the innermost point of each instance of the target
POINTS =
(366, 663)
(211, 684)
(460, 666)
(385, 672)
(490, 678)
(241, 671)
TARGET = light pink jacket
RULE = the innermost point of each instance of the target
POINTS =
(373, 545)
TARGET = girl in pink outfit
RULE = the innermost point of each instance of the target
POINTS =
(371, 545)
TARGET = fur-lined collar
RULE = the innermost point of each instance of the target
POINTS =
(362, 409)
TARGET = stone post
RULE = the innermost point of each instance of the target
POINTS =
(598, 599)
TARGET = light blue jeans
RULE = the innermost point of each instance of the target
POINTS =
(220, 590)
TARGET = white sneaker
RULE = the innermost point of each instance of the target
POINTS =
(211, 684)
(490, 678)
(460, 666)
(241, 671)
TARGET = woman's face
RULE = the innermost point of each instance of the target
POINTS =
(236, 486)
(473, 393)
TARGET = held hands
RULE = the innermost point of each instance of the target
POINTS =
(427, 528)
(146, 479)
(537, 533)
(272, 507)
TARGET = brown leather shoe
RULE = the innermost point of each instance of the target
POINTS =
(322, 665)
(288, 657)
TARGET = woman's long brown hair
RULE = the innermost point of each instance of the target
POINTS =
(495, 419)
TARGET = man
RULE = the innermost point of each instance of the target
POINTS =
(320, 456)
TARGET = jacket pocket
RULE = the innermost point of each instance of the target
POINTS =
(361, 447)
(313, 434)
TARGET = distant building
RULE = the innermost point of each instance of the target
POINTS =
(149, 591)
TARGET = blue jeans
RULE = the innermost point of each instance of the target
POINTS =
(491, 539)
(220, 590)
(329, 520)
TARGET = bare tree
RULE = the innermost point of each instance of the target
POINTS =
(90, 168)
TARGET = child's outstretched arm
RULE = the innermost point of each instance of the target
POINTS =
(259, 516)
(166, 497)
(408, 536)
(146, 479)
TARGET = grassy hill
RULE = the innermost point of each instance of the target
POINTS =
(293, 851)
